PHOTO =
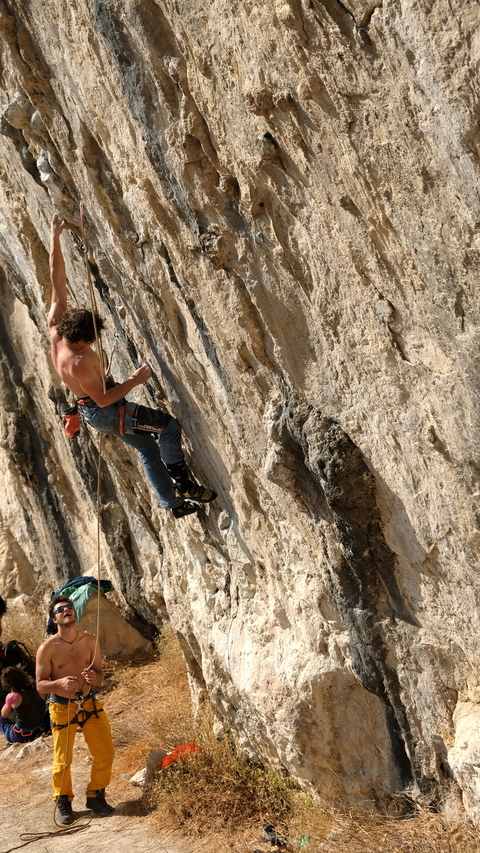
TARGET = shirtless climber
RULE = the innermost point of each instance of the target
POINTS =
(69, 669)
(71, 333)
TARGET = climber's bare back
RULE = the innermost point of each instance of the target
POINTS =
(73, 361)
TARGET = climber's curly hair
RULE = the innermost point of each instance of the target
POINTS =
(77, 325)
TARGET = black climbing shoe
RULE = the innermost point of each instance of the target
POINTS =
(184, 509)
(99, 805)
(180, 475)
(64, 814)
(198, 493)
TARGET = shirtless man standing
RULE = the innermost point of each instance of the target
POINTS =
(71, 333)
(69, 668)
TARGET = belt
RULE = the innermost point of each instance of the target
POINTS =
(52, 697)
(85, 401)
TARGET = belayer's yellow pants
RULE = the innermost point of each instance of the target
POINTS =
(99, 741)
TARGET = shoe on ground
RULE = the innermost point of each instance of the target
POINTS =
(99, 805)
(64, 813)
(199, 493)
(184, 509)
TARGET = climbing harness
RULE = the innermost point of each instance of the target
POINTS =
(81, 716)
(134, 411)
(29, 733)
(79, 700)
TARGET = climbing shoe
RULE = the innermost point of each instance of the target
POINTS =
(99, 805)
(198, 493)
(184, 509)
(64, 813)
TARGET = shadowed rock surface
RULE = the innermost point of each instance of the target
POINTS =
(284, 221)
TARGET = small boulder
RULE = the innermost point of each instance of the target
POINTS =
(117, 637)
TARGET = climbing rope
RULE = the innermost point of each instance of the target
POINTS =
(93, 300)
(100, 353)
(30, 837)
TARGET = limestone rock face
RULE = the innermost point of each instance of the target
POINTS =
(284, 221)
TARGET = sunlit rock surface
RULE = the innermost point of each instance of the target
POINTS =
(284, 220)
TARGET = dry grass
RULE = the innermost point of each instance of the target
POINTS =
(30, 629)
(424, 832)
(148, 704)
(219, 788)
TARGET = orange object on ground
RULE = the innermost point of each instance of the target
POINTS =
(179, 752)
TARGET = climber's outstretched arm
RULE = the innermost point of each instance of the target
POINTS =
(57, 274)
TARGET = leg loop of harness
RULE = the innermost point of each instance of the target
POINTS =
(154, 421)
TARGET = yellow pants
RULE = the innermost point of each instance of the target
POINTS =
(99, 741)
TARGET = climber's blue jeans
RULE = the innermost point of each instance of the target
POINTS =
(154, 456)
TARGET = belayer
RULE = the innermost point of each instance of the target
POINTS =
(72, 331)
(70, 670)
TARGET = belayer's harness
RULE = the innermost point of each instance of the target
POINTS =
(81, 716)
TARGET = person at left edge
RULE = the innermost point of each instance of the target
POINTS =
(25, 704)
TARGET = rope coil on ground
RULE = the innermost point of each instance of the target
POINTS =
(30, 837)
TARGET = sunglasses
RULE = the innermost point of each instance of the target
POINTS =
(63, 607)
